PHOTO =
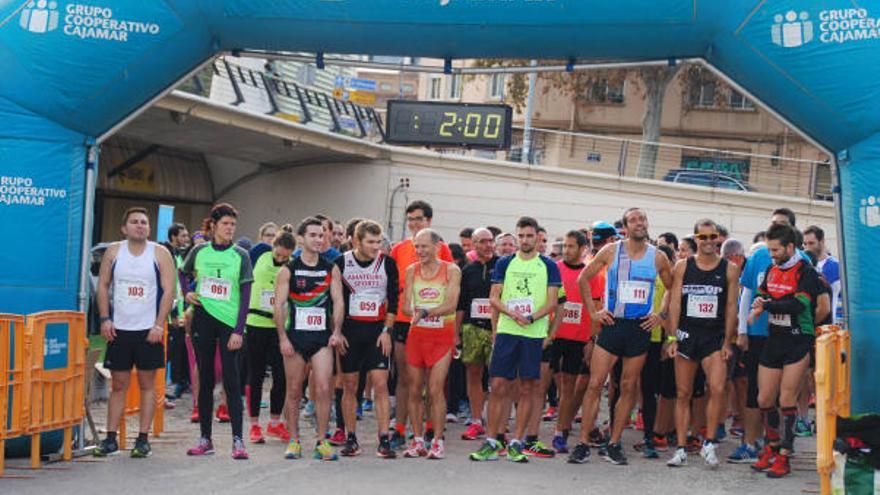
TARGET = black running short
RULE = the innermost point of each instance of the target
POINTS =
(131, 349)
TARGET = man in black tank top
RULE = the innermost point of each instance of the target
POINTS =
(309, 290)
(703, 315)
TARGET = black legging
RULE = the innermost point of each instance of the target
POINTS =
(263, 350)
(207, 332)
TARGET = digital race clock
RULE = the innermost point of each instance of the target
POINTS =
(451, 124)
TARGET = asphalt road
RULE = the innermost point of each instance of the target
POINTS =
(170, 471)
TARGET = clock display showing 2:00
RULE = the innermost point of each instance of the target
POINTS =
(449, 124)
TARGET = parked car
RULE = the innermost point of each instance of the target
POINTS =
(707, 178)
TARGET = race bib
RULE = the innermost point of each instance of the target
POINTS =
(215, 288)
(364, 305)
(431, 322)
(634, 292)
(524, 306)
(702, 306)
(571, 312)
(780, 320)
(311, 319)
(481, 309)
(130, 291)
(267, 299)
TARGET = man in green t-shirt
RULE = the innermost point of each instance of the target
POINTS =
(525, 290)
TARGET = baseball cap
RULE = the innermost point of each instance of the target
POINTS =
(603, 230)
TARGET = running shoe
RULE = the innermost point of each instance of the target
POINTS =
(194, 417)
(766, 459)
(367, 405)
(294, 449)
(279, 431)
(679, 459)
(438, 450)
(359, 412)
(640, 422)
(694, 444)
(324, 451)
(238, 451)
(352, 448)
(578, 418)
(385, 450)
(338, 437)
(487, 452)
(614, 454)
(222, 414)
(710, 457)
(720, 433)
(416, 449)
(538, 449)
(141, 449)
(309, 410)
(649, 451)
(169, 404)
(204, 447)
(257, 434)
(515, 452)
(736, 431)
(802, 428)
(580, 454)
(106, 447)
(780, 467)
(451, 418)
(550, 415)
(596, 438)
(474, 431)
(661, 443)
(397, 440)
(560, 445)
(744, 454)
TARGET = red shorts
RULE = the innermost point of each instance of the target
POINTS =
(423, 349)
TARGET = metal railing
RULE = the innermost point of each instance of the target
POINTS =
(698, 166)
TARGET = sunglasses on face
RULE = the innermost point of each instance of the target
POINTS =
(706, 237)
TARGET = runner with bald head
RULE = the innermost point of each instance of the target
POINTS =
(474, 323)
(430, 299)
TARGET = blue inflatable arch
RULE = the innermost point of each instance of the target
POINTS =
(72, 71)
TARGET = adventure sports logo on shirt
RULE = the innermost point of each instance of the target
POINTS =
(429, 293)
(82, 21)
(795, 29)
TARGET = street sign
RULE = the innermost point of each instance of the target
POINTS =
(354, 83)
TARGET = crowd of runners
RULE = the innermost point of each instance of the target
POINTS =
(692, 339)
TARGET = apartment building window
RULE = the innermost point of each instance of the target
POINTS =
(386, 87)
(408, 89)
(434, 91)
(496, 86)
(738, 101)
(454, 81)
(605, 91)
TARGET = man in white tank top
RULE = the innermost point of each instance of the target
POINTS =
(135, 291)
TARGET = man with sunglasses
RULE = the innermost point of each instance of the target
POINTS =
(419, 215)
(703, 315)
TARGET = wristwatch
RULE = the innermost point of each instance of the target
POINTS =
(104, 318)
(385, 329)
(530, 318)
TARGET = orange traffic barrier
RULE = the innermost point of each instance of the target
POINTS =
(55, 397)
(832, 395)
(133, 400)
(12, 380)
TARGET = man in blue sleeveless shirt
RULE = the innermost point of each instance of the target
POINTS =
(626, 322)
